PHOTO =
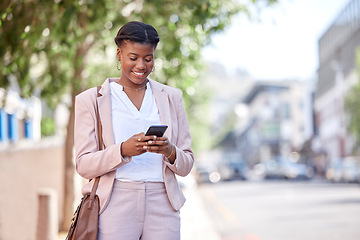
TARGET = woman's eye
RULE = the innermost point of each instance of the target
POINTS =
(133, 59)
(148, 60)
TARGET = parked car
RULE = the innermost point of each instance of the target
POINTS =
(233, 169)
(334, 172)
(296, 170)
(284, 169)
(351, 170)
(206, 174)
(346, 170)
(269, 169)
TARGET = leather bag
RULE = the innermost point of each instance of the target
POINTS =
(84, 224)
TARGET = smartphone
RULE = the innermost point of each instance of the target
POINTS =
(157, 130)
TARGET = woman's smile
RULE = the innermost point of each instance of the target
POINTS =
(140, 74)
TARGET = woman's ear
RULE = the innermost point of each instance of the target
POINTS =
(118, 54)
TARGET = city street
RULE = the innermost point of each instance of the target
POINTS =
(281, 210)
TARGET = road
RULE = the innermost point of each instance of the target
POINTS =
(276, 210)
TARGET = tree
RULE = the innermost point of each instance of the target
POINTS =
(352, 106)
(56, 47)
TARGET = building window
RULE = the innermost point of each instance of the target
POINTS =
(286, 110)
(28, 129)
(13, 127)
(4, 129)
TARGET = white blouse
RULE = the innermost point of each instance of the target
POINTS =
(127, 121)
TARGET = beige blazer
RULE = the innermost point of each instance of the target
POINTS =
(91, 163)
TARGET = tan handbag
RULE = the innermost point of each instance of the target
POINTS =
(84, 224)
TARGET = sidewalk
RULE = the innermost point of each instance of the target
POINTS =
(195, 222)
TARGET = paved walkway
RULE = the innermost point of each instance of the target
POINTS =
(195, 222)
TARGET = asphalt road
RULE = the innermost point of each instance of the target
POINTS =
(280, 210)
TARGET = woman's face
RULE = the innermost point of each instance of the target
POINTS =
(137, 62)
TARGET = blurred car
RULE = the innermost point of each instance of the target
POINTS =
(233, 169)
(346, 170)
(284, 169)
(269, 169)
(334, 172)
(206, 174)
(296, 170)
(351, 170)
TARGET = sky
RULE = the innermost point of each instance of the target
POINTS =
(282, 44)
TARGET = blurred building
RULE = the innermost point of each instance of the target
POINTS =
(29, 165)
(336, 75)
(276, 118)
(20, 118)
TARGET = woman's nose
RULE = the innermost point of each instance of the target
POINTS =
(140, 64)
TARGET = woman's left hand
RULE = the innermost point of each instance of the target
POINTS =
(163, 146)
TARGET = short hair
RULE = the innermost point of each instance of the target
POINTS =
(137, 32)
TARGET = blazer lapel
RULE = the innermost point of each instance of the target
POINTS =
(104, 103)
(162, 101)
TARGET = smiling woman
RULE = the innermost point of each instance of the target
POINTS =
(136, 46)
(140, 197)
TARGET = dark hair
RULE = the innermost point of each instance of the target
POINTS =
(137, 32)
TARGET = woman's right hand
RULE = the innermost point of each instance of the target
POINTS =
(135, 145)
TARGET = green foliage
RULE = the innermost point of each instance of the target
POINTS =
(352, 105)
(47, 126)
(65, 46)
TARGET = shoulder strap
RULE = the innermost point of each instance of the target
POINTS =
(101, 146)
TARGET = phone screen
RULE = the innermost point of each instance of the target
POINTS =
(157, 130)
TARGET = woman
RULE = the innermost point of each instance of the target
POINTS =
(139, 195)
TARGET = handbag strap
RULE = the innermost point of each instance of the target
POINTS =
(101, 147)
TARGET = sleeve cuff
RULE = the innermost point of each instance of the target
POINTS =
(127, 159)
